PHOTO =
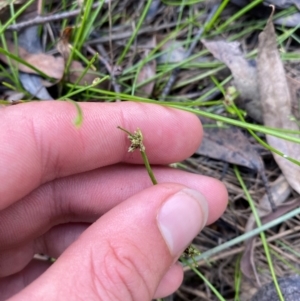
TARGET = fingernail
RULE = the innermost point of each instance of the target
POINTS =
(181, 218)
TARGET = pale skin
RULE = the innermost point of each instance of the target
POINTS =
(76, 194)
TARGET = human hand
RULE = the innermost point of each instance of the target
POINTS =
(77, 195)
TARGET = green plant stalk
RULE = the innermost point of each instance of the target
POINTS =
(15, 71)
(129, 43)
(10, 64)
(89, 23)
(15, 16)
(174, 3)
(147, 59)
(152, 56)
(238, 14)
(259, 140)
(237, 279)
(86, 11)
(219, 86)
(19, 60)
(262, 234)
(203, 278)
(220, 9)
(244, 125)
(202, 98)
(96, 82)
(9, 86)
(206, 255)
(143, 153)
(198, 78)
(5, 74)
(262, 129)
(148, 167)
(83, 58)
(172, 35)
(90, 63)
(66, 6)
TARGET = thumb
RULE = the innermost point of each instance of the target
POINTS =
(130, 252)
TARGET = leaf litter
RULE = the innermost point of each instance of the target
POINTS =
(33, 83)
(269, 96)
(276, 102)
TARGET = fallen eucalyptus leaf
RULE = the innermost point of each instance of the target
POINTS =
(230, 145)
(48, 64)
(244, 73)
(277, 103)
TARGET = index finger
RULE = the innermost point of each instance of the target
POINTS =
(40, 143)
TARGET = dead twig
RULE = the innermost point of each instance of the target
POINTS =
(45, 19)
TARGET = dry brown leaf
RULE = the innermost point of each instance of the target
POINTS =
(280, 190)
(244, 73)
(48, 64)
(76, 70)
(229, 145)
(148, 71)
(277, 103)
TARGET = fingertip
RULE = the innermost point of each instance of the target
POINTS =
(218, 200)
(170, 282)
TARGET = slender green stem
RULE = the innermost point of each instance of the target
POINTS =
(136, 140)
(148, 167)
(262, 234)
(129, 43)
(95, 83)
(210, 24)
(237, 279)
(238, 14)
(87, 68)
(19, 60)
(205, 280)
(243, 237)
(15, 16)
